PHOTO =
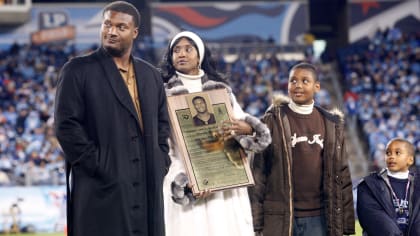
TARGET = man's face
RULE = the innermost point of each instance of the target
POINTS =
(302, 86)
(200, 105)
(185, 57)
(118, 33)
(397, 157)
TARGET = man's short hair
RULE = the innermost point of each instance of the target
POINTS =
(124, 7)
(197, 98)
(306, 66)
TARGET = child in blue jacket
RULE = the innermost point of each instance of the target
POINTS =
(388, 202)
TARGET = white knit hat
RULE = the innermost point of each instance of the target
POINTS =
(194, 37)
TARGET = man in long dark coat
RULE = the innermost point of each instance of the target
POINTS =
(112, 123)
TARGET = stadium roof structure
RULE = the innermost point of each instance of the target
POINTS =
(15, 13)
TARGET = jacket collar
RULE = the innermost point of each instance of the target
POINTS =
(114, 78)
(282, 100)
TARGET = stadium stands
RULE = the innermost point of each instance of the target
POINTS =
(383, 89)
(29, 151)
(382, 94)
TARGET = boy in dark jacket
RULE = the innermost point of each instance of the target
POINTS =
(388, 202)
(302, 181)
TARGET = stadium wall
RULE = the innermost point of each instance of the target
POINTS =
(282, 22)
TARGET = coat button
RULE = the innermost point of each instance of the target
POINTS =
(338, 209)
(134, 138)
(135, 184)
(135, 207)
(337, 179)
(134, 160)
(135, 231)
(338, 147)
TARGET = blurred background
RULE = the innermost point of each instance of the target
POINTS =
(367, 53)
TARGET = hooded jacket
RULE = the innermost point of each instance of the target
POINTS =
(272, 195)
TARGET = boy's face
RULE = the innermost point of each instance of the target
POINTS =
(302, 86)
(397, 157)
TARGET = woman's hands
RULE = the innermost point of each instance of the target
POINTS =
(235, 127)
(228, 129)
(203, 194)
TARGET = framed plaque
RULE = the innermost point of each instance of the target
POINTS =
(211, 162)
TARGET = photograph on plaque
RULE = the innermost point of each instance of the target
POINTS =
(212, 163)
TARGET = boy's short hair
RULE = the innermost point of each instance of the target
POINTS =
(124, 7)
(306, 66)
(408, 145)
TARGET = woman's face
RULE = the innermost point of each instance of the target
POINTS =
(185, 57)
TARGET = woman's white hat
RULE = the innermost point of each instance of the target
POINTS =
(194, 37)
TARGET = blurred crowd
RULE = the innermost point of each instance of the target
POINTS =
(29, 151)
(382, 93)
(383, 89)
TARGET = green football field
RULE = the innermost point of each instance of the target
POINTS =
(358, 232)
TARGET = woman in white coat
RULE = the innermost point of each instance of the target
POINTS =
(187, 68)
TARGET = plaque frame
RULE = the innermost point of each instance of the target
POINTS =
(226, 165)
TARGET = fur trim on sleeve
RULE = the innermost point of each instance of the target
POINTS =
(180, 193)
(256, 143)
(260, 140)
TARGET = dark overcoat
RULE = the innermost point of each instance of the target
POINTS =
(115, 172)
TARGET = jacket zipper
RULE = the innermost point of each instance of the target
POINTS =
(331, 166)
(289, 165)
(410, 223)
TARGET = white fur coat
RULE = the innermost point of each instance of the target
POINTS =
(223, 213)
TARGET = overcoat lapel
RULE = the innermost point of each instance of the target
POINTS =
(116, 81)
(142, 93)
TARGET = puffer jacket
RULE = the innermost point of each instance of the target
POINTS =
(272, 195)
